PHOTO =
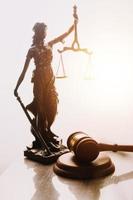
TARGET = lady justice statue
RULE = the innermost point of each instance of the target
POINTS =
(44, 104)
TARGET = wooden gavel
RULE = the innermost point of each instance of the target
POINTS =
(87, 149)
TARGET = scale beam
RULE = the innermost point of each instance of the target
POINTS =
(85, 50)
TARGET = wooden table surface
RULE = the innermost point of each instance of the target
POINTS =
(27, 180)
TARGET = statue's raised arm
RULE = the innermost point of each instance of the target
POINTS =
(61, 37)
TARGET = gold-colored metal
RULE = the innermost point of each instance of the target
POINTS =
(75, 46)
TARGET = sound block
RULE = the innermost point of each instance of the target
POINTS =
(67, 166)
(42, 156)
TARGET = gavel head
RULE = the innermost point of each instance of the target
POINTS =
(84, 147)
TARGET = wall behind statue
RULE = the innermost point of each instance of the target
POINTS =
(105, 26)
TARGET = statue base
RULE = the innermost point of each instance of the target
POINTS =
(67, 166)
(42, 156)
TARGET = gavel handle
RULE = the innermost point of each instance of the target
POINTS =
(115, 147)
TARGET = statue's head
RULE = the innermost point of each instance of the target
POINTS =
(40, 32)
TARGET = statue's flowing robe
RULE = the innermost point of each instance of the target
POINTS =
(44, 104)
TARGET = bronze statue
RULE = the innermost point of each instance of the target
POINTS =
(44, 104)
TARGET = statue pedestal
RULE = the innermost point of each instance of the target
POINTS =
(67, 166)
(42, 156)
